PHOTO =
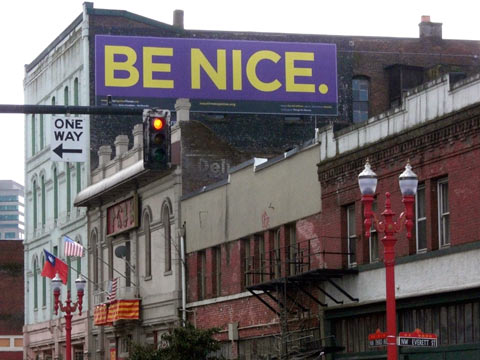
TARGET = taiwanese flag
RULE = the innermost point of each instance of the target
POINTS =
(54, 265)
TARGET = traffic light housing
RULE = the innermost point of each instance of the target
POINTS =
(156, 139)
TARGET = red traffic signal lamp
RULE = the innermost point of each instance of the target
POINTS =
(156, 139)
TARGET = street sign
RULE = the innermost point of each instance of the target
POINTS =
(417, 338)
(69, 139)
(378, 338)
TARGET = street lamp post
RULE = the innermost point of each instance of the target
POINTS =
(408, 182)
(68, 308)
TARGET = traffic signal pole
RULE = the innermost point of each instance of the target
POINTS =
(58, 109)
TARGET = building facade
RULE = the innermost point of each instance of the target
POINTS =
(12, 215)
(286, 270)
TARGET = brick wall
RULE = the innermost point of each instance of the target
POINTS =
(449, 147)
(11, 287)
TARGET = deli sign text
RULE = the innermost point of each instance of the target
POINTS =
(218, 75)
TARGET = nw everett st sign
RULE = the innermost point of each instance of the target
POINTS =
(69, 141)
(217, 75)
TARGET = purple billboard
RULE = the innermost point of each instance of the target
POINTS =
(217, 75)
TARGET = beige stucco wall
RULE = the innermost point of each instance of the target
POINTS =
(255, 199)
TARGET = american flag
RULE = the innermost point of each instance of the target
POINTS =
(112, 290)
(72, 248)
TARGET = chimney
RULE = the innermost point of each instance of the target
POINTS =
(104, 155)
(430, 30)
(178, 19)
(121, 145)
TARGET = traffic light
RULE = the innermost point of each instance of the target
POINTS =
(156, 139)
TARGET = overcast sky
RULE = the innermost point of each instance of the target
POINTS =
(27, 27)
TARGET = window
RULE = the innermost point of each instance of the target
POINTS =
(148, 245)
(443, 213)
(351, 236)
(35, 285)
(55, 194)
(167, 236)
(202, 264)
(8, 207)
(291, 253)
(65, 96)
(44, 212)
(79, 259)
(69, 186)
(421, 219)
(8, 198)
(34, 205)
(373, 240)
(248, 262)
(79, 176)
(360, 99)
(217, 252)
(10, 235)
(260, 240)
(8, 217)
(277, 265)
(42, 140)
(75, 92)
(33, 134)
(93, 239)
(44, 287)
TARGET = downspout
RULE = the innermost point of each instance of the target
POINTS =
(183, 274)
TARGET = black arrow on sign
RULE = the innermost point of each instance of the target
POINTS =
(59, 150)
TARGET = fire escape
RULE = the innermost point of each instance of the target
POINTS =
(290, 281)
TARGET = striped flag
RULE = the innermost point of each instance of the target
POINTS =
(112, 290)
(72, 248)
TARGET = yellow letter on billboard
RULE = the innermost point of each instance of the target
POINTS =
(252, 70)
(291, 71)
(218, 76)
(149, 67)
(128, 65)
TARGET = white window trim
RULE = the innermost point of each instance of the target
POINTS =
(417, 219)
(441, 231)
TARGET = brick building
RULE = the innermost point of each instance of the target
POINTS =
(279, 276)
(373, 73)
(11, 300)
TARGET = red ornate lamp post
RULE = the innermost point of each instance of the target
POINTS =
(367, 180)
(68, 308)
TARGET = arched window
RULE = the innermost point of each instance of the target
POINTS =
(43, 202)
(42, 140)
(79, 176)
(75, 92)
(35, 284)
(65, 96)
(79, 259)
(69, 186)
(55, 194)
(34, 204)
(53, 100)
(94, 245)
(360, 97)
(148, 244)
(33, 134)
(44, 285)
(167, 236)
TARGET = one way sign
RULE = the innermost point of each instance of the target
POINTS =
(69, 139)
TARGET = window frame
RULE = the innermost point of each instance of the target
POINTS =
(351, 236)
(355, 80)
(421, 188)
(443, 225)
(374, 234)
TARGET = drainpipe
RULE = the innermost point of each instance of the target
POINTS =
(183, 274)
